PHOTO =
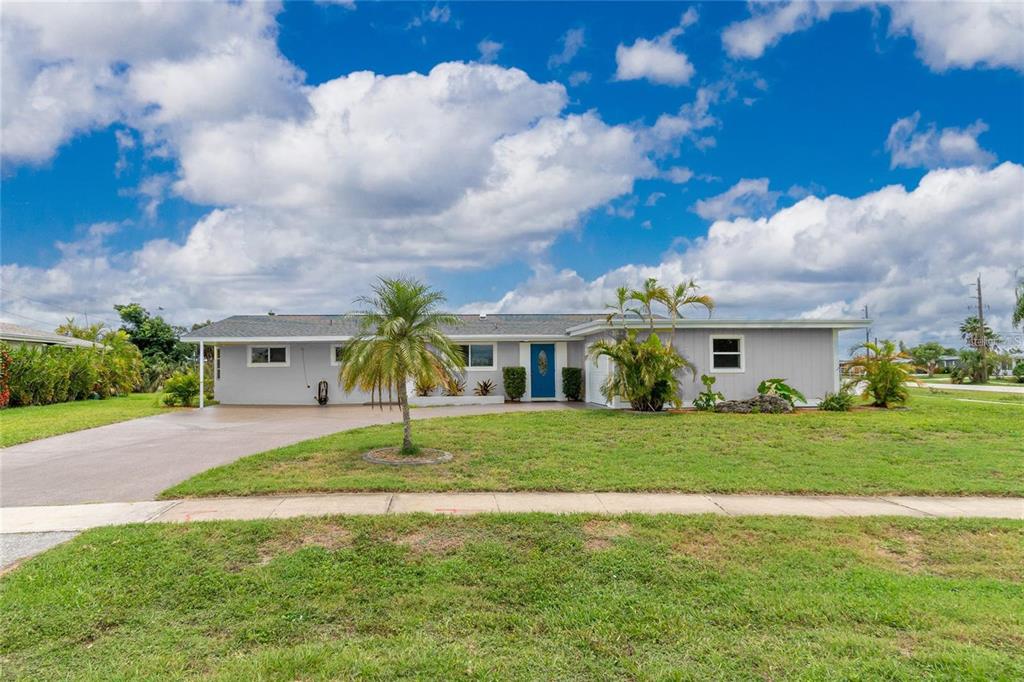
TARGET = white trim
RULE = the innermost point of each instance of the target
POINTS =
(332, 356)
(561, 360)
(216, 364)
(524, 361)
(287, 355)
(727, 370)
(662, 324)
(480, 368)
(457, 338)
(202, 386)
(836, 379)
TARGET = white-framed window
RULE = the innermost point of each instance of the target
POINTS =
(216, 362)
(336, 350)
(479, 356)
(268, 356)
(727, 353)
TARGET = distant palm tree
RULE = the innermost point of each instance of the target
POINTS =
(400, 339)
(681, 296)
(1018, 309)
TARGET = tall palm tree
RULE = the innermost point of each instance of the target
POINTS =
(650, 293)
(681, 296)
(619, 308)
(400, 339)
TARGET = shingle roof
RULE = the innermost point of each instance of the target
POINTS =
(17, 333)
(330, 326)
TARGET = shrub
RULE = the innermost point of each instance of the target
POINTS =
(485, 387)
(182, 389)
(645, 371)
(837, 402)
(706, 399)
(1018, 371)
(425, 386)
(5, 367)
(884, 379)
(515, 382)
(779, 388)
(572, 383)
(454, 386)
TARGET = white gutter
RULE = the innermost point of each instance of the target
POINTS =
(664, 325)
(325, 339)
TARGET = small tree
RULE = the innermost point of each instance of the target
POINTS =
(514, 379)
(401, 339)
(926, 355)
(884, 378)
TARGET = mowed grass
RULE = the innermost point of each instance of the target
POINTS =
(523, 597)
(23, 424)
(945, 443)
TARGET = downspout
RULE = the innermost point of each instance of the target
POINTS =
(202, 387)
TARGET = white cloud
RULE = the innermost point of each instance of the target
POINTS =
(71, 68)
(688, 123)
(948, 34)
(577, 78)
(462, 167)
(489, 50)
(657, 60)
(678, 175)
(748, 197)
(438, 14)
(932, 148)
(653, 198)
(572, 42)
(900, 251)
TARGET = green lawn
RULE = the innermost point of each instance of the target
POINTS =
(525, 597)
(22, 424)
(943, 444)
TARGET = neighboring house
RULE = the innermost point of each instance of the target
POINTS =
(16, 335)
(280, 359)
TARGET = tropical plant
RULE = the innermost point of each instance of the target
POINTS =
(453, 386)
(644, 372)
(977, 335)
(484, 387)
(883, 377)
(619, 309)
(647, 295)
(681, 296)
(841, 401)
(182, 388)
(400, 338)
(708, 398)
(971, 366)
(1018, 371)
(71, 328)
(1018, 306)
(779, 387)
(572, 383)
(514, 379)
(425, 386)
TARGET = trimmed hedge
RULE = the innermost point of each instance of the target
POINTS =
(515, 382)
(572, 383)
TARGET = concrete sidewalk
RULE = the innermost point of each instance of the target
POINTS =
(84, 516)
(982, 388)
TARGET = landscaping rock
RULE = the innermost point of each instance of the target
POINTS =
(772, 404)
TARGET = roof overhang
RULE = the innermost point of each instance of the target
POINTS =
(666, 325)
(327, 339)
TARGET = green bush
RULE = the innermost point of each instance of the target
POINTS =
(572, 383)
(514, 379)
(645, 371)
(706, 399)
(1018, 371)
(182, 389)
(779, 387)
(837, 402)
(884, 378)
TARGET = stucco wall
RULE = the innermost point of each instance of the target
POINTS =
(243, 385)
(803, 357)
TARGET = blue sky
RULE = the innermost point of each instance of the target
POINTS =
(797, 159)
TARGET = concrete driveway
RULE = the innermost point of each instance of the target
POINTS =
(135, 460)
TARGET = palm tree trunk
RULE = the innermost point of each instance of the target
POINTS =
(403, 400)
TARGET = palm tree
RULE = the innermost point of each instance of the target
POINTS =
(1018, 309)
(972, 332)
(883, 373)
(618, 309)
(681, 296)
(647, 296)
(644, 371)
(400, 339)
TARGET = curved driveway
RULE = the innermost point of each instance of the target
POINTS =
(135, 460)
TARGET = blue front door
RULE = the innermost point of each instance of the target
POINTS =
(542, 370)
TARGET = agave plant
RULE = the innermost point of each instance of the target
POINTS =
(485, 387)
(644, 373)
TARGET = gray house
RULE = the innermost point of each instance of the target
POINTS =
(280, 359)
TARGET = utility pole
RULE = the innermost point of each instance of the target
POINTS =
(867, 330)
(982, 338)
